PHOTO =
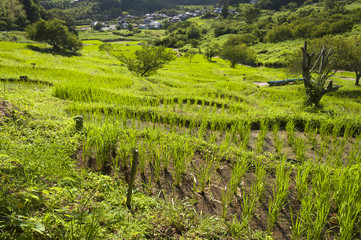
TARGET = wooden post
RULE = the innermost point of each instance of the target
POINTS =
(79, 122)
(33, 65)
(133, 173)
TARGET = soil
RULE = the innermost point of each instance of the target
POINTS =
(5, 109)
(261, 84)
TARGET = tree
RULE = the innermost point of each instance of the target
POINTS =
(190, 54)
(251, 14)
(224, 12)
(32, 10)
(55, 33)
(12, 15)
(238, 54)
(350, 57)
(316, 81)
(193, 32)
(316, 45)
(211, 51)
(147, 60)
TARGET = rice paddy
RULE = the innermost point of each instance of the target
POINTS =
(252, 156)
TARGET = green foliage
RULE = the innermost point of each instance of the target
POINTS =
(106, 47)
(246, 38)
(32, 9)
(349, 56)
(190, 54)
(211, 51)
(179, 34)
(251, 14)
(223, 28)
(193, 32)
(238, 54)
(146, 61)
(12, 15)
(224, 12)
(277, 4)
(98, 26)
(279, 34)
(55, 33)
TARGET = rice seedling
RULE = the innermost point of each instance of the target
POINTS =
(280, 194)
(260, 175)
(250, 201)
(245, 134)
(346, 197)
(300, 146)
(277, 139)
(182, 154)
(204, 173)
(166, 155)
(290, 129)
(249, 204)
(238, 172)
(156, 161)
(311, 133)
(261, 136)
(322, 188)
(142, 157)
(226, 197)
(304, 217)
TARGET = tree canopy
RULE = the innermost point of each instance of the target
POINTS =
(147, 60)
(55, 33)
(238, 54)
(12, 15)
(350, 56)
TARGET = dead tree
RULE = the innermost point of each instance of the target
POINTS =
(317, 84)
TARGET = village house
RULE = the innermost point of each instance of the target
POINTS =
(155, 25)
